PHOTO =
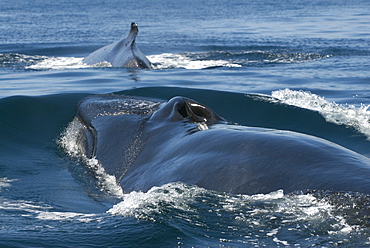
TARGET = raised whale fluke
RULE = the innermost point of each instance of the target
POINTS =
(123, 53)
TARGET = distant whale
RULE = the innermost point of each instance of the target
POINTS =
(123, 53)
(147, 142)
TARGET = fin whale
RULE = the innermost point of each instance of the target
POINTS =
(123, 53)
(148, 142)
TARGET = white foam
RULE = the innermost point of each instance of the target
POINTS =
(271, 196)
(180, 195)
(107, 182)
(278, 241)
(69, 141)
(159, 61)
(42, 211)
(175, 60)
(57, 63)
(349, 115)
(5, 182)
(342, 227)
(71, 216)
(27, 206)
(144, 205)
(288, 58)
(273, 232)
(294, 213)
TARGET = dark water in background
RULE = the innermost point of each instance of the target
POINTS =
(293, 65)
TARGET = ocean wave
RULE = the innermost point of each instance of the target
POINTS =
(348, 115)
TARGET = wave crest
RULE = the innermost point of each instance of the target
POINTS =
(348, 115)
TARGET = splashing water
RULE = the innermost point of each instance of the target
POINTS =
(69, 141)
(349, 115)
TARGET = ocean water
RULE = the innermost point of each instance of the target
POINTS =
(292, 65)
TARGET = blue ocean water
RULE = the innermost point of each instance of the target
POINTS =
(292, 65)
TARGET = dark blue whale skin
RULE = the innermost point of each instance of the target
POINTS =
(148, 142)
